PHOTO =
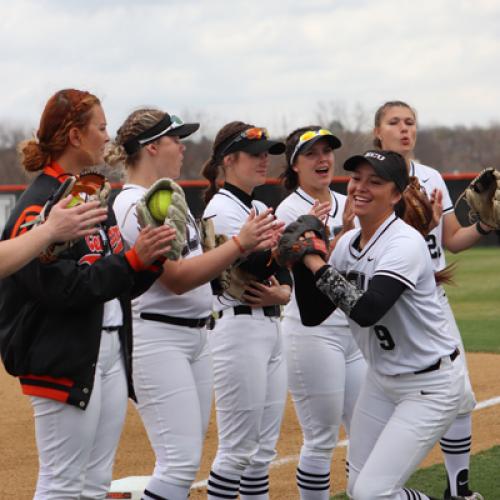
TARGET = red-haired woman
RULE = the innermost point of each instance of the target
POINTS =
(65, 324)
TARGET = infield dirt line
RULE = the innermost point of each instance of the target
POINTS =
(294, 458)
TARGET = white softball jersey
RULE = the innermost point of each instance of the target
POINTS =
(293, 206)
(431, 179)
(414, 333)
(196, 303)
(233, 214)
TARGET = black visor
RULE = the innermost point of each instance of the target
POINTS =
(168, 125)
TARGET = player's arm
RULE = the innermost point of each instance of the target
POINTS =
(364, 307)
(185, 274)
(63, 224)
(457, 237)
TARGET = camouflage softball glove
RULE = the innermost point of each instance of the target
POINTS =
(165, 203)
(483, 197)
(293, 246)
(418, 208)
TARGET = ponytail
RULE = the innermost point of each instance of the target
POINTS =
(210, 171)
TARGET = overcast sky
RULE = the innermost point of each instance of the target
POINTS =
(272, 63)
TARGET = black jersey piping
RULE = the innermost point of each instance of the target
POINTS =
(362, 254)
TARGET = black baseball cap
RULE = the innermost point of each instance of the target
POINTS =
(254, 140)
(389, 165)
(169, 125)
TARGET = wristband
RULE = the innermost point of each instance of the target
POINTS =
(482, 231)
(238, 244)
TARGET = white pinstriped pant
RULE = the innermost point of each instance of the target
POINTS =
(250, 391)
(77, 448)
(396, 422)
(325, 373)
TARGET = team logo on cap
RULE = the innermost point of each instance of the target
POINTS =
(377, 156)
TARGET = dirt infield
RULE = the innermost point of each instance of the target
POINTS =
(18, 458)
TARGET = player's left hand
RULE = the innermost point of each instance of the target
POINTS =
(437, 207)
(348, 215)
(261, 295)
(321, 210)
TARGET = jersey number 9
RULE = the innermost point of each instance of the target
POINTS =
(386, 341)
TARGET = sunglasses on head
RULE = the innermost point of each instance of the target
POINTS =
(252, 134)
(306, 137)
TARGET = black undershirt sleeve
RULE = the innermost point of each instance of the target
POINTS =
(381, 295)
(373, 304)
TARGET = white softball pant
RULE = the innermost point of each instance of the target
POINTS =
(325, 373)
(173, 381)
(396, 422)
(250, 392)
(469, 400)
(77, 448)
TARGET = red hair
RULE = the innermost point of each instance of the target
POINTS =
(66, 109)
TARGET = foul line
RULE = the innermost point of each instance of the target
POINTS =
(342, 444)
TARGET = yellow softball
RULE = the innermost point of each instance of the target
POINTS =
(76, 200)
(159, 202)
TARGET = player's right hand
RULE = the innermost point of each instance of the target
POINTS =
(153, 243)
(66, 224)
(258, 232)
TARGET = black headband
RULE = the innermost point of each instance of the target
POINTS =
(135, 143)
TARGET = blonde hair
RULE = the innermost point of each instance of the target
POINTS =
(136, 123)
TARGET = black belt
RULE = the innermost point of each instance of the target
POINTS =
(269, 311)
(110, 329)
(436, 365)
(162, 318)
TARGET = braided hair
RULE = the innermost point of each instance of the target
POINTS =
(136, 123)
(66, 109)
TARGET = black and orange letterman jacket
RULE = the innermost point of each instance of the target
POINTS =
(51, 313)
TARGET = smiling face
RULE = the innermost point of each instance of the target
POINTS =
(397, 130)
(373, 197)
(246, 171)
(315, 167)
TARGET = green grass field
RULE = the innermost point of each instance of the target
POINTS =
(484, 471)
(476, 298)
(476, 303)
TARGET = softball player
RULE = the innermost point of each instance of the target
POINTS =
(396, 129)
(65, 326)
(249, 369)
(325, 366)
(382, 278)
(171, 360)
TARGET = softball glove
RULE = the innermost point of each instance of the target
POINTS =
(293, 245)
(483, 197)
(176, 215)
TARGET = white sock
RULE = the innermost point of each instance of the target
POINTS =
(254, 488)
(455, 445)
(160, 490)
(222, 485)
(409, 494)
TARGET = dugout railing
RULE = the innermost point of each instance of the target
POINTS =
(271, 194)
